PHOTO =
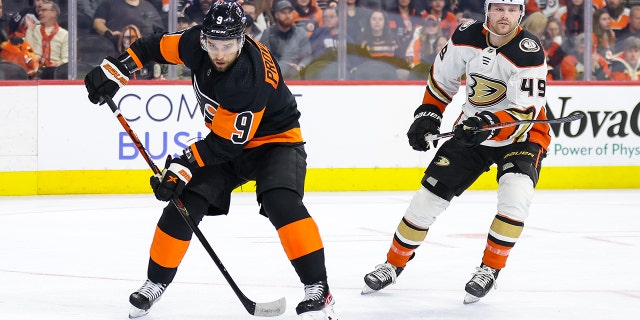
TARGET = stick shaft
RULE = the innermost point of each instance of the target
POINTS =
(571, 117)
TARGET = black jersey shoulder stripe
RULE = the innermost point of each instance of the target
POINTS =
(470, 34)
(524, 50)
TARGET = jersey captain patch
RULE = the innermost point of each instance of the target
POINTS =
(529, 45)
(484, 91)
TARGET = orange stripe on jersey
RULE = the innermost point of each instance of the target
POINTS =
(236, 127)
(300, 238)
(166, 250)
(135, 58)
(169, 48)
(290, 136)
(196, 155)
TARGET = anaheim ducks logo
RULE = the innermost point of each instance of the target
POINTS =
(484, 91)
(529, 45)
(442, 162)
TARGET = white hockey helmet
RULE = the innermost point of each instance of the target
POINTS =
(518, 2)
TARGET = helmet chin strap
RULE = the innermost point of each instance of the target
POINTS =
(484, 25)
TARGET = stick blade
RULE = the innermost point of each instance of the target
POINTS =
(270, 309)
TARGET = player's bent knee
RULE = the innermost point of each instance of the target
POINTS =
(424, 208)
(515, 193)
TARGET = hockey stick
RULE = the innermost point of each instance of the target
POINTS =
(569, 118)
(260, 309)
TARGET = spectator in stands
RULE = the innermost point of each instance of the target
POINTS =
(88, 7)
(555, 47)
(571, 16)
(250, 11)
(49, 41)
(603, 37)
(324, 41)
(618, 13)
(403, 21)
(113, 15)
(325, 38)
(197, 9)
(598, 4)
(548, 7)
(380, 43)
(631, 30)
(251, 29)
(264, 16)
(536, 23)
(626, 65)
(288, 43)
(18, 20)
(467, 10)
(448, 20)
(4, 25)
(152, 70)
(423, 46)
(377, 38)
(572, 67)
(357, 19)
(307, 15)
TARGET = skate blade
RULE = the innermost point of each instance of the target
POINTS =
(367, 290)
(319, 315)
(469, 298)
(137, 313)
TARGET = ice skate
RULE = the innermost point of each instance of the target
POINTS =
(384, 275)
(481, 283)
(142, 300)
(317, 303)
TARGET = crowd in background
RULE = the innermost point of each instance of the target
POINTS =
(385, 39)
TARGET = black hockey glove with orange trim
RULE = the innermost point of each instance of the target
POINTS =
(426, 120)
(106, 79)
(466, 137)
(169, 183)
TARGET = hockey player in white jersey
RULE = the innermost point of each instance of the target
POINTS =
(505, 81)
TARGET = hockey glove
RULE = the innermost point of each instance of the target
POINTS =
(170, 182)
(464, 132)
(106, 79)
(426, 120)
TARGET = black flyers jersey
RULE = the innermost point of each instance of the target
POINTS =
(246, 106)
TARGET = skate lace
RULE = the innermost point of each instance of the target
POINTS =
(151, 289)
(483, 276)
(385, 273)
(314, 292)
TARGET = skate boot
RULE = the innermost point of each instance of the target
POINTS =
(142, 300)
(378, 279)
(481, 283)
(317, 303)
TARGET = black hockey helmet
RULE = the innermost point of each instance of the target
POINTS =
(225, 20)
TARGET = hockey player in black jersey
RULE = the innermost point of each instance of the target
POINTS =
(505, 81)
(255, 136)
